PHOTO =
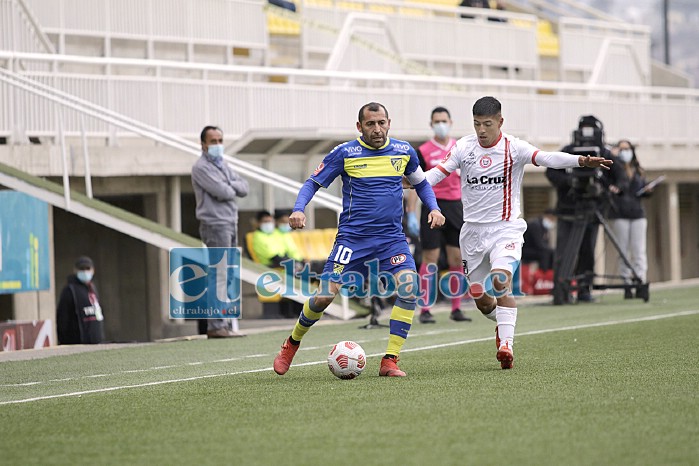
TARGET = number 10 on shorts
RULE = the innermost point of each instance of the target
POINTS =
(343, 254)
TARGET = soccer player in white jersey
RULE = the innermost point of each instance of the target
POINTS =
(492, 166)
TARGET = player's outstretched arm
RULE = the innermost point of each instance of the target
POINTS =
(564, 160)
(297, 219)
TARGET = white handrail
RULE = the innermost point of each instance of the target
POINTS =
(394, 79)
(171, 140)
(341, 310)
(37, 28)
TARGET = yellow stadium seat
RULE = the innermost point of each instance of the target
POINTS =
(449, 3)
(381, 9)
(248, 246)
(321, 3)
(330, 234)
(547, 40)
(350, 6)
(412, 11)
(281, 25)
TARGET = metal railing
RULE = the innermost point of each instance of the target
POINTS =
(176, 97)
(163, 137)
(94, 210)
(324, 25)
(20, 30)
(225, 23)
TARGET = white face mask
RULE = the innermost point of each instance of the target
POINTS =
(216, 150)
(625, 155)
(85, 276)
(284, 228)
(267, 227)
(548, 223)
(441, 129)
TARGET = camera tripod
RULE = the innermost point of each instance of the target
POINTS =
(376, 308)
(585, 213)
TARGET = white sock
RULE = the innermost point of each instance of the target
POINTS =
(492, 314)
(506, 319)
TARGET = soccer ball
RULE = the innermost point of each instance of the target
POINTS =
(346, 360)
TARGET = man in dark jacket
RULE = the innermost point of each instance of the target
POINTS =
(572, 194)
(79, 318)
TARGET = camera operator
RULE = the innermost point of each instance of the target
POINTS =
(580, 194)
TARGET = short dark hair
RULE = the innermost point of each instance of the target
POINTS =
(440, 110)
(487, 106)
(202, 136)
(373, 107)
(279, 213)
(262, 214)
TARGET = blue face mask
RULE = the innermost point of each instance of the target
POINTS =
(267, 227)
(216, 150)
(85, 276)
(284, 228)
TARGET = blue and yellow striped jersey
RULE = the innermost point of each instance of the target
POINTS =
(372, 193)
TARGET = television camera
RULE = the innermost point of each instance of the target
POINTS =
(592, 199)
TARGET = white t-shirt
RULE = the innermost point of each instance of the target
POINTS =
(491, 177)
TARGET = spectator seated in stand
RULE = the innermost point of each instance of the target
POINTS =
(271, 243)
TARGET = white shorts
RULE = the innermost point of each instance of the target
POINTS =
(488, 246)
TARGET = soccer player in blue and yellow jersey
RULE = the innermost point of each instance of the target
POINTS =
(372, 169)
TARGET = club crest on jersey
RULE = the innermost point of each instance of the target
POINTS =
(397, 163)
(510, 246)
(319, 169)
(446, 157)
(485, 161)
(399, 259)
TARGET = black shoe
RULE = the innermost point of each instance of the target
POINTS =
(643, 292)
(459, 316)
(628, 293)
(426, 317)
(585, 297)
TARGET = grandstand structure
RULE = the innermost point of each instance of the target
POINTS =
(102, 102)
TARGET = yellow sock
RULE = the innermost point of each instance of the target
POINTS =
(400, 323)
(307, 318)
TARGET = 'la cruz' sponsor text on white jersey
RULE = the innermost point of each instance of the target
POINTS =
(491, 177)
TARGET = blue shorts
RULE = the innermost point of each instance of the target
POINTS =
(352, 255)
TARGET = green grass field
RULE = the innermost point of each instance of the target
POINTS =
(614, 382)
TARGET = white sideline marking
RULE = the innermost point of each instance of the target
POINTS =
(199, 363)
(313, 363)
